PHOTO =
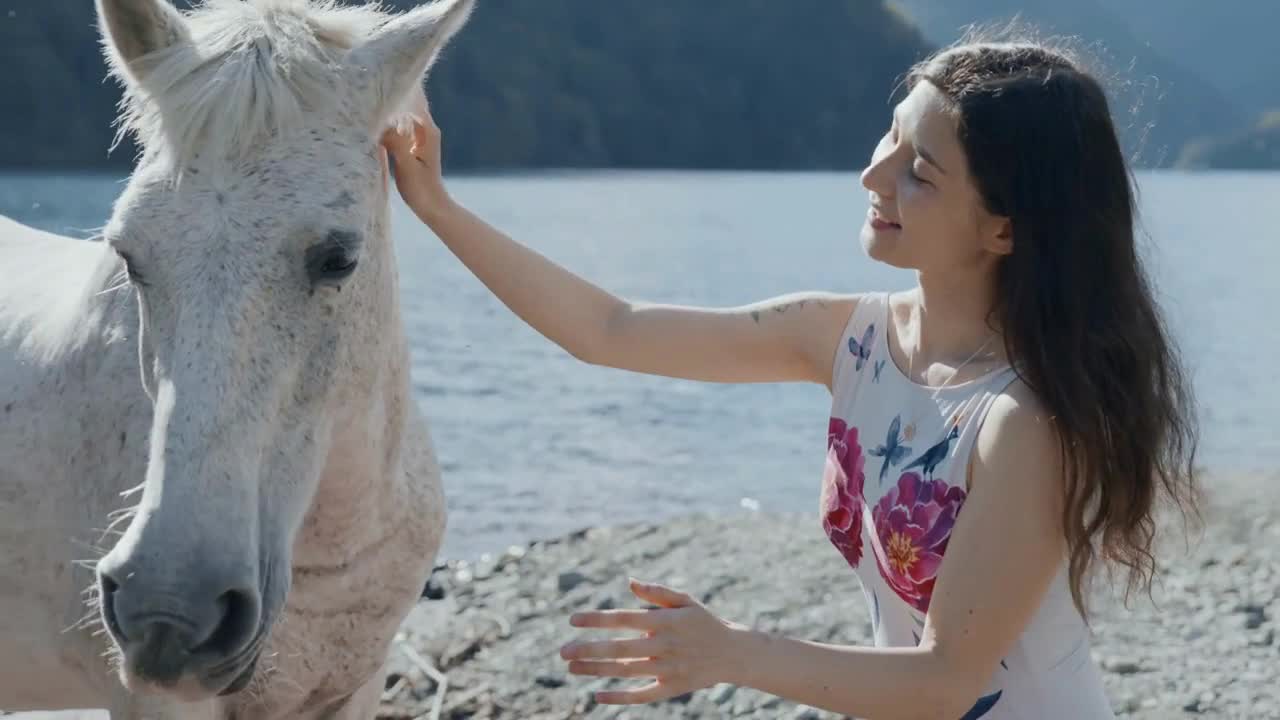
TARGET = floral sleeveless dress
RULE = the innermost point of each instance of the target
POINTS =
(893, 485)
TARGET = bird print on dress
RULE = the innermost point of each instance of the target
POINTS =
(934, 455)
(983, 706)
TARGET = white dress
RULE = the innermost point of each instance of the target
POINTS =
(892, 488)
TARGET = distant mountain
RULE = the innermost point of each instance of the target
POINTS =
(551, 83)
(1257, 148)
(1234, 44)
(1160, 103)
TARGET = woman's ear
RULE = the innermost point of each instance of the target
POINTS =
(1000, 236)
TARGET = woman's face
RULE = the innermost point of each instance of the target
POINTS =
(926, 213)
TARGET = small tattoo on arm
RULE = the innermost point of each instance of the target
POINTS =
(783, 307)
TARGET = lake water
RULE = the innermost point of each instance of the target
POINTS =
(535, 444)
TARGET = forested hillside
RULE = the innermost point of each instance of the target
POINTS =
(1161, 99)
(1257, 148)
(551, 83)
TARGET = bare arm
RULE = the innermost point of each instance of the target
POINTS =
(788, 338)
(1005, 548)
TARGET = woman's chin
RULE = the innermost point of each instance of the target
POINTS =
(883, 247)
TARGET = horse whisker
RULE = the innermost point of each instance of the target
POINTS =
(122, 517)
(135, 489)
(113, 288)
(124, 511)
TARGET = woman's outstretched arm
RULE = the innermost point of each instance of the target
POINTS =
(1002, 555)
(787, 338)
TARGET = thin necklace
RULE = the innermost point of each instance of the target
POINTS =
(895, 451)
(910, 430)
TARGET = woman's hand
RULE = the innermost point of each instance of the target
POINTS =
(418, 170)
(685, 648)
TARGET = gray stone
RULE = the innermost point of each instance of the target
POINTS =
(721, 693)
(1121, 666)
(567, 581)
(1254, 616)
(550, 681)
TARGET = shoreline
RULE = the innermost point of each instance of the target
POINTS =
(1207, 649)
(1225, 488)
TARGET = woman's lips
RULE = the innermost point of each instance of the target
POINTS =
(880, 223)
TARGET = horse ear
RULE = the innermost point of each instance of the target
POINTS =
(390, 64)
(134, 29)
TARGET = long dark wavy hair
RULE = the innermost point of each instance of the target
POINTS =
(1075, 306)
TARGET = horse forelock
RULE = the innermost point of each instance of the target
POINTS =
(252, 69)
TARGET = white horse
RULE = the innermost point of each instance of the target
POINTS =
(225, 378)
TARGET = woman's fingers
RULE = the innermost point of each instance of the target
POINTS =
(647, 620)
(660, 595)
(612, 649)
(615, 668)
(397, 144)
(651, 693)
(421, 141)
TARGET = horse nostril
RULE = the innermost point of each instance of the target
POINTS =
(237, 622)
(107, 598)
(219, 625)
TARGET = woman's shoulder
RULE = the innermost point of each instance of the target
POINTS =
(1016, 402)
(856, 312)
(872, 311)
(1017, 437)
(853, 325)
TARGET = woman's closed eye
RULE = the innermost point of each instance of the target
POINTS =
(916, 175)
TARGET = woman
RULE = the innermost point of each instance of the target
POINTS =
(1027, 380)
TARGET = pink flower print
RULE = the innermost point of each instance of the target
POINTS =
(842, 483)
(913, 522)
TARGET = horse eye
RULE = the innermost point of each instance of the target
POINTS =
(131, 268)
(337, 266)
(333, 260)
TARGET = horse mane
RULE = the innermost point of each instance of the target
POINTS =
(252, 69)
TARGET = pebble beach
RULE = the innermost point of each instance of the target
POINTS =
(1204, 645)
